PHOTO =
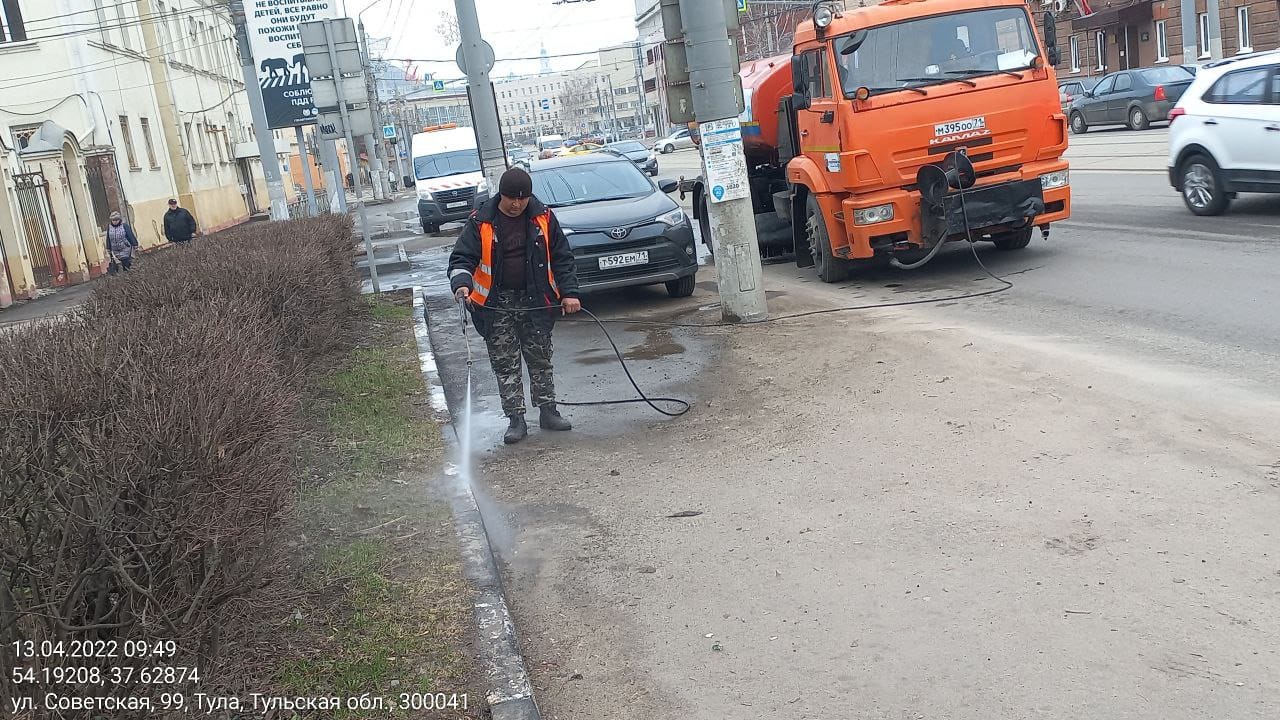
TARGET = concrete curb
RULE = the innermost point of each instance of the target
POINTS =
(509, 692)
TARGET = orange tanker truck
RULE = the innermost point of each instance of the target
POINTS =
(895, 128)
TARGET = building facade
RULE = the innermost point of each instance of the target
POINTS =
(1101, 37)
(112, 106)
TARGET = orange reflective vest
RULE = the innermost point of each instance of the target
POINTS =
(482, 278)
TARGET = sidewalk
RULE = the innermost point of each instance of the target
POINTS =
(873, 515)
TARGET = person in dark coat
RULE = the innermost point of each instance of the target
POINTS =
(513, 267)
(179, 224)
(121, 242)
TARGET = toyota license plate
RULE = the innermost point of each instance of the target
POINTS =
(453, 205)
(959, 126)
(626, 259)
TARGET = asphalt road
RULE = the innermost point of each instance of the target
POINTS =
(1132, 272)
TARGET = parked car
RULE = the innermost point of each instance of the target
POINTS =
(624, 229)
(581, 149)
(1224, 134)
(518, 156)
(636, 152)
(677, 140)
(1071, 88)
(1130, 97)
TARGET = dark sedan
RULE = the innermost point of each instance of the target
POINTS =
(636, 152)
(624, 231)
(1071, 88)
(1130, 97)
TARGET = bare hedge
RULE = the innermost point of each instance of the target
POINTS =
(147, 452)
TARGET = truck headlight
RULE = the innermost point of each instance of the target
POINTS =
(873, 215)
(483, 186)
(1056, 179)
(673, 218)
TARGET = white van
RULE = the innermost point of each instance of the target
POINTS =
(446, 168)
(550, 143)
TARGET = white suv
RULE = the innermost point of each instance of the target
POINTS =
(1224, 133)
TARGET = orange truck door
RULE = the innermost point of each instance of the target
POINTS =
(817, 124)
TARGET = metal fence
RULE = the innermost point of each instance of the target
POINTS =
(298, 208)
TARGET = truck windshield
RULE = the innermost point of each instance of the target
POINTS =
(426, 167)
(937, 49)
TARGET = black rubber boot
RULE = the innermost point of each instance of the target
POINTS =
(516, 431)
(549, 418)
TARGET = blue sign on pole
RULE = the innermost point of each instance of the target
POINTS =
(437, 85)
(742, 5)
(545, 104)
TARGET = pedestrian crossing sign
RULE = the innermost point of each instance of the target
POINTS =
(742, 5)
(437, 85)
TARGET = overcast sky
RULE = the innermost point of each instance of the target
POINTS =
(515, 28)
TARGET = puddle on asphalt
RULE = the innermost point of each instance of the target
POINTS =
(657, 343)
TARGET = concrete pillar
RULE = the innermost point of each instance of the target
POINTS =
(1190, 31)
(13, 247)
(95, 253)
(65, 220)
(1215, 28)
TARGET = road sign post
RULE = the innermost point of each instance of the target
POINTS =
(475, 58)
(261, 129)
(332, 54)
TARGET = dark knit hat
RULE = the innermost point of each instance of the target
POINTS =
(515, 184)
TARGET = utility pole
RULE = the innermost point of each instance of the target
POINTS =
(714, 85)
(305, 157)
(378, 177)
(266, 143)
(328, 151)
(476, 59)
(643, 106)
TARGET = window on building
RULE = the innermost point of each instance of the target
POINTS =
(1242, 87)
(106, 27)
(195, 57)
(12, 28)
(22, 135)
(1162, 41)
(1074, 43)
(126, 133)
(1100, 40)
(125, 24)
(186, 135)
(1244, 32)
(145, 126)
(162, 13)
(1204, 34)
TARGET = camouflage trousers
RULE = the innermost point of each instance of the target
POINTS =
(512, 336)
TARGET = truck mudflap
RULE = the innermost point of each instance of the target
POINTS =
(1012, 204)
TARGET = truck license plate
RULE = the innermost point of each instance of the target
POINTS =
(455, 204)
(959, 126)
(625, 259)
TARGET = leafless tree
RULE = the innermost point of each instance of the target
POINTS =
(448, 28)
(577, 101)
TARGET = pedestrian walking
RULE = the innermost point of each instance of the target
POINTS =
(513, 268)
(179, 223)
(391, 180)
(121, 242)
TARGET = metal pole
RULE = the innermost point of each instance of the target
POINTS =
(328, 151)
(306, 171)
(262, 133)
(642, 107)
(355, 158)
(378, 176)
(732, 221)
(484, 108)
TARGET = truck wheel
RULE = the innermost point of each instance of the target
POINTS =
(1013, 240)
(1138, 119)
(682, 287)
(830, 269)
(1078, 125)
(1202, 189)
